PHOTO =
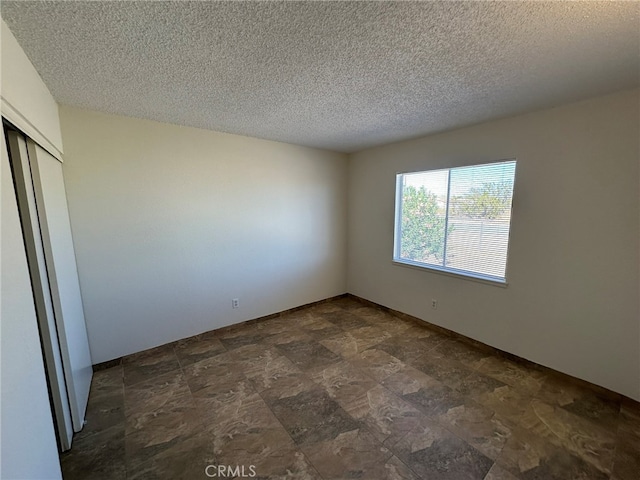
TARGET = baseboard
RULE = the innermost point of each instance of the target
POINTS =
(599, 390)
(117, 361)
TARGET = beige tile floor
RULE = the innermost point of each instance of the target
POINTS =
(345, 390)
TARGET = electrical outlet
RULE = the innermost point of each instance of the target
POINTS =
(434, 303)
(235, 303)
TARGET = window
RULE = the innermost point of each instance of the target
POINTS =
(456, 220)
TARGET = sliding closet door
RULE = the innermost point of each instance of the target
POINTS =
(40, 287)
(27, 439)
(42, 204)
(53, 214)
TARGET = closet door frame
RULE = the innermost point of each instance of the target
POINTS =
(43, 211)
(19, 160)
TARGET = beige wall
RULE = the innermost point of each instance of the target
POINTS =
(572, 300)
(170, 223)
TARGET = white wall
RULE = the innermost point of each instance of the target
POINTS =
(28, 444)
(170, 223)
(572, 300)
(26, 100)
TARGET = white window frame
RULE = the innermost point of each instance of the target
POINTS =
(454, 272)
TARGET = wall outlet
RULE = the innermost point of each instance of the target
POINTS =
(434, 303)
(235, 303)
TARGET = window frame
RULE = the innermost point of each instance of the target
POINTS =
(448, 271)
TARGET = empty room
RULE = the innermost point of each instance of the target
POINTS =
(320, 240)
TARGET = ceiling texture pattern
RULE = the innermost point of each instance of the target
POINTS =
(339, 75)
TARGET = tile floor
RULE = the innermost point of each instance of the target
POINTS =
(345, 390)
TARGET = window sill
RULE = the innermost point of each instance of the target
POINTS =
(448, 273)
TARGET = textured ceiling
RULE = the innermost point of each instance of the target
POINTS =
(337, 75)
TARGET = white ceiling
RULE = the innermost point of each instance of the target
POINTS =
(337, 75)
